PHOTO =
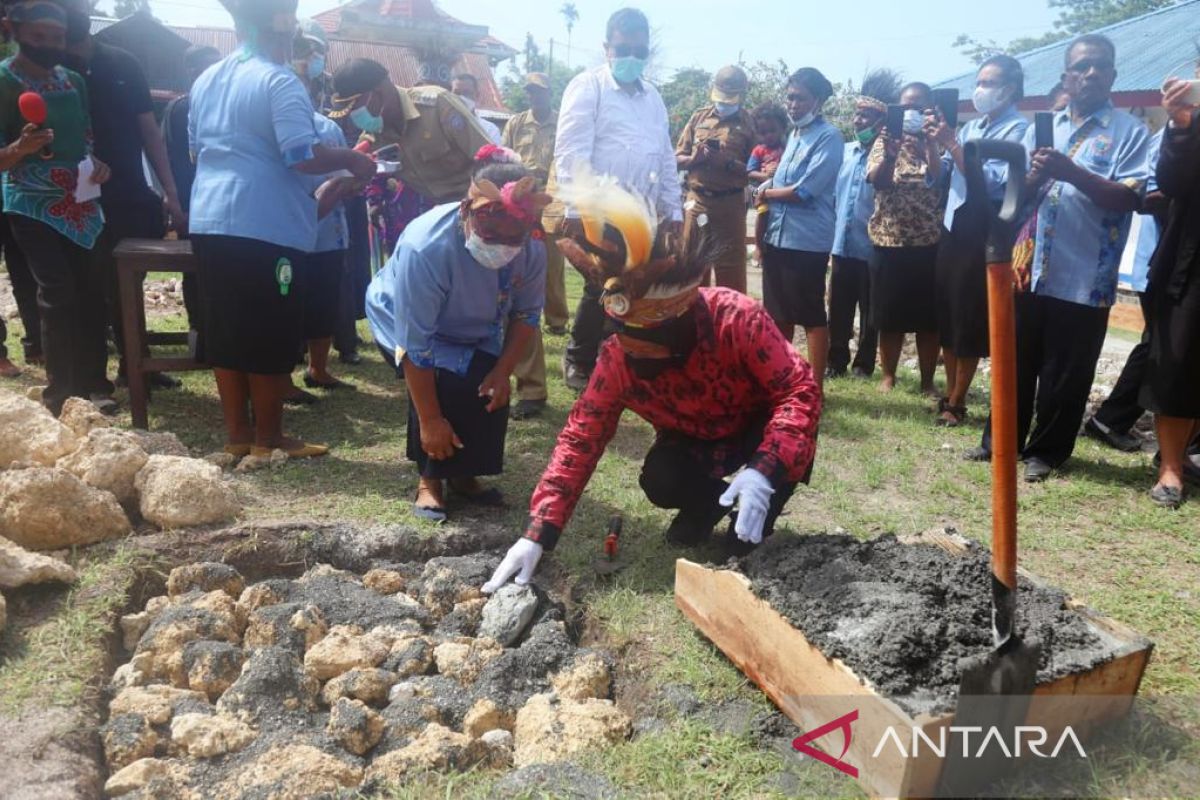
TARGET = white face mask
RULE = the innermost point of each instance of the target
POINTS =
(805, 121)
(492, 256)
(988, 99)
(914, 121)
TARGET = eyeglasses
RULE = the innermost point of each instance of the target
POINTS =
(1088, 64)
(626, 50)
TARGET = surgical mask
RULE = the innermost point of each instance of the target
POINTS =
(491, 255)
(316, 66)
(628, 69)
(914, 121)
(727, 109)
(805, 121)
(988, 99)
(44, 57)
(864, 136)
(365, 121)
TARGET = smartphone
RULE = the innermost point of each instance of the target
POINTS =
(1043, 129)
(946, 101)
(1193, 93)
(895, 121)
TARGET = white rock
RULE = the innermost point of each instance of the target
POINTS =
(178, 492)
(161, 443)
(82, 417)
(28, 432)
(49, 509)
(508, 613)
(108, 459)
(209, 736)
(19, 567)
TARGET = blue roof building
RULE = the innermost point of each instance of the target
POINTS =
(1150, 49)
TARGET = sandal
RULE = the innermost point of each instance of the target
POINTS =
(239, 450)
(430, 513)
(301, 398)
(313, 383)
(301, 450)
(951, 416)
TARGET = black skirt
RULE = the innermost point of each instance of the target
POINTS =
(481, 432)
(902, 289)
(322, 292)
(247, 323)
(1171, 385)
(794, 285)
(962, 308)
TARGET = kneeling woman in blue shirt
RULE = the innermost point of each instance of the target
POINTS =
(254, 217)
(456, 308)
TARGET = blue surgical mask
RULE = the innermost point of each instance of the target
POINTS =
(914, 121)
(628, 69)
(491, 255)
(316, 66)
(365, 121)
(727, 109)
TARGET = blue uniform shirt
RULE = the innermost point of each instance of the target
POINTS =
(1079, 245)
(435, 303)
(332, 230)
(1148, 233)
(250, 122)
(809, 167)
(1009, 126)
(855, 205)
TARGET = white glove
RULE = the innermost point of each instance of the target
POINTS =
(753, 493)
(522, 556)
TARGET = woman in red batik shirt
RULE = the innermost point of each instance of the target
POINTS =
(706, 367)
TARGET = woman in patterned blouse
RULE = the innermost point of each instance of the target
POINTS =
(905, 169)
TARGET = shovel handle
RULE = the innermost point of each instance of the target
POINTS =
(1003, 337)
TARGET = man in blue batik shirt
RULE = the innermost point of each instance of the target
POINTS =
(1094, 177)
(849, 282)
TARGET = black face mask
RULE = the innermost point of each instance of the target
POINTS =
(44, 57)
(78, 26)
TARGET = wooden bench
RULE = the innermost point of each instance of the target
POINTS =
(135, 258)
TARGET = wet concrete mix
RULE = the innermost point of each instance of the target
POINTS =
(902, 616)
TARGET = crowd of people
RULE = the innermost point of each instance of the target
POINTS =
(294, 186)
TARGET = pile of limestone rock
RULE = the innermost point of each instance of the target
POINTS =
(334, 681)
(77, 480)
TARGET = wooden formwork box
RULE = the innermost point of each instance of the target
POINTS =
(812, 689)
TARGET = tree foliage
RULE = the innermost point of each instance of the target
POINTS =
(127, 8)
(1075, 17)
(512, 85)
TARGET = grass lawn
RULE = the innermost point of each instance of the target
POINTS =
(882, 466)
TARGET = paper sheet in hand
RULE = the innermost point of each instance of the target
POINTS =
(85, 188)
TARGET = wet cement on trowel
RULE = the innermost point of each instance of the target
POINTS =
(902, 616)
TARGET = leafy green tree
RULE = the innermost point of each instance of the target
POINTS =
(512, 84)
(1075, 17)
(571, 15)
(127, 8)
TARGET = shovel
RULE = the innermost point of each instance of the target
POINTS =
(995, 688)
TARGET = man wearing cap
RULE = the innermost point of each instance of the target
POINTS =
(531, 135)
(714, 148)
(436, 137)
(706, 367)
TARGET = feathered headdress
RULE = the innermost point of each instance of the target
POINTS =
(518, 199)
(647, 280)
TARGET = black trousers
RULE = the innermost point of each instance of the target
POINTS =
(71, 306)
(1058, 345)
(24, 289)
(355, 279)
(686, 474)
(850, 291)
(588, 330)
(1121, 411)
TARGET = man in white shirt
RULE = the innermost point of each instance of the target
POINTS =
(466, 86)
(614, 123)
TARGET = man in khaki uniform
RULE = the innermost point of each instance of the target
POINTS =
(714, 149)
(435, 134)
(531, 134)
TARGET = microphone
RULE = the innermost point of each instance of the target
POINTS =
(33, 108)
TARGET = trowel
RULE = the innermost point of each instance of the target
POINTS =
(609, 564)
(995, 688)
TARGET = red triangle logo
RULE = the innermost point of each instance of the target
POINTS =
(801, 743)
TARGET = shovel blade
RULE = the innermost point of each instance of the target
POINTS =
(994, 692)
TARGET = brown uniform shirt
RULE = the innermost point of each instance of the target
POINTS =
(725, 170)
(533, 141)
(439, 143)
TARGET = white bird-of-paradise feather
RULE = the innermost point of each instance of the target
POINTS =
(600, 200)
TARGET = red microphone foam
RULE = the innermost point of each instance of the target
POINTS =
(33, 107)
